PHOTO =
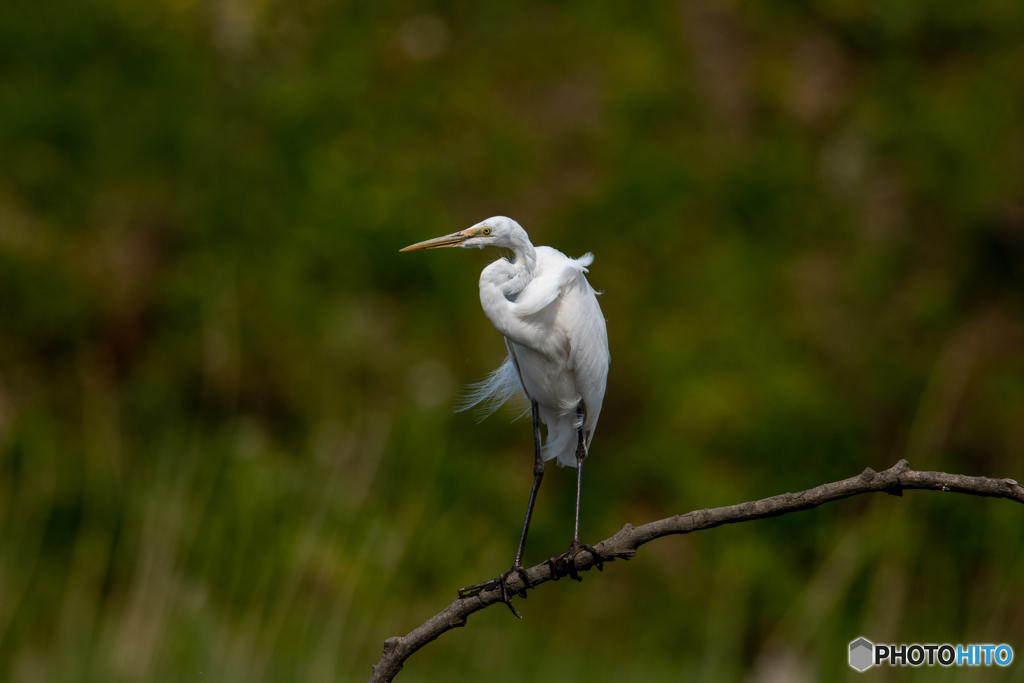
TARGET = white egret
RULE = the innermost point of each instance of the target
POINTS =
(540, 300)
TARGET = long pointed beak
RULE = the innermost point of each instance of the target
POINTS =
(452, 240)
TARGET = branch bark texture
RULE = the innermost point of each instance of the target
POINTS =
(625, 543)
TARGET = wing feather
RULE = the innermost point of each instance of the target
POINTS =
(548, 286)
(588, 348)
(590, 360)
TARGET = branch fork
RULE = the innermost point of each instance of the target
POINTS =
(625, 542)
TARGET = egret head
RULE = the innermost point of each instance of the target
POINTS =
(498, 231)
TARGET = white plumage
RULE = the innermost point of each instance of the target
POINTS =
(557, 342)
(556, 339)
(540, 300)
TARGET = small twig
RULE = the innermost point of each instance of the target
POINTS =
(624, 544)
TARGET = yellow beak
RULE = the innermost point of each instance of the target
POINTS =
(452, 240)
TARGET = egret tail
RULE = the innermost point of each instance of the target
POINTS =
(563, 437)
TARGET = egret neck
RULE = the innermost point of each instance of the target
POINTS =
(503, 280)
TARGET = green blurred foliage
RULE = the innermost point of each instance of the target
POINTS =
(226, 437)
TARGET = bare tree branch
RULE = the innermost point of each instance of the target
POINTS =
(625, 543)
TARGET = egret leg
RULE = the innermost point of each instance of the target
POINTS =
(569, 556)
(517, 564)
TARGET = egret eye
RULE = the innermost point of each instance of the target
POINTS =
(486, 231)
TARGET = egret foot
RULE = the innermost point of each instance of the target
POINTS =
(565, 564)
(502, 582)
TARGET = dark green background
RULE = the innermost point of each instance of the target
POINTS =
(226, 436)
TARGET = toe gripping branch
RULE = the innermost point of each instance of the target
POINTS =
(560, 565)
(564, 564)
(501, 582)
